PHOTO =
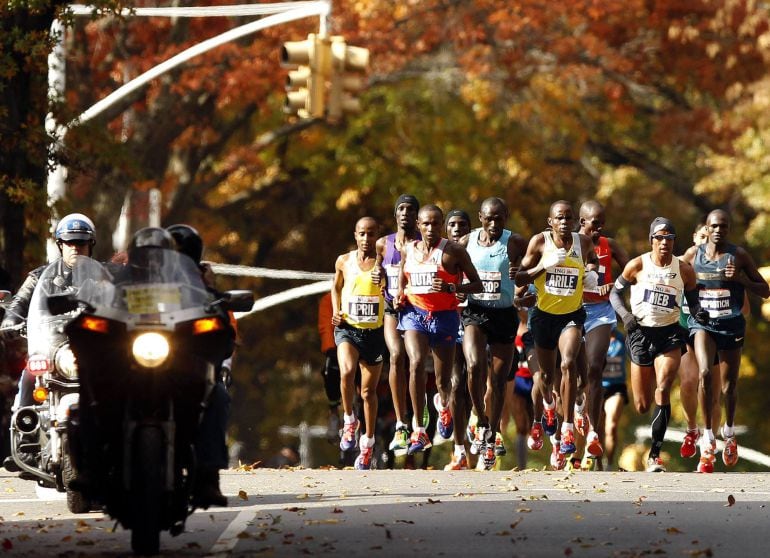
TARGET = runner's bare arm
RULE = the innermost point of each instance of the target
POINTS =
(530, 263)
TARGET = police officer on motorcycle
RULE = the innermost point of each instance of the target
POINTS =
(75, 236)
(211, 448)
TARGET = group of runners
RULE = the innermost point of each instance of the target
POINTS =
(465, 297)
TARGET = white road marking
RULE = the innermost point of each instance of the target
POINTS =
(229, 537)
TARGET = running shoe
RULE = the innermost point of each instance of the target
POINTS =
(549, 421)
(364, 460)
(593, 445)
(499, 445)
(558, 459)
(488, 457)
(707, 457)
(349, 438)
(655, 465)
(458, 463)
(730, 453)
(588, 462)
(478, 443)
(535, 438)
(400, 439)
(582, 422)
(418, 442)
(567, 442)
(689, 444)
(470, 432)
(444, 423)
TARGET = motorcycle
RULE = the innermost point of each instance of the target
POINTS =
(148, 339)
(38, 438)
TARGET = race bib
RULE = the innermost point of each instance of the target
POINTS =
(601, 271)
(492, 281)
(364, 309)
(561, 281)
(421, 278)
(392, 272)
(661, 299)
(716, 302)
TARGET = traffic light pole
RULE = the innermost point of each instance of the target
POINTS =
(282, 12)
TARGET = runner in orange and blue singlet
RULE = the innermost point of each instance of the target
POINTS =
(431, 275)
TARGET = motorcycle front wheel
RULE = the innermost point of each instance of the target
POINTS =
(77, 502)
(147, 490)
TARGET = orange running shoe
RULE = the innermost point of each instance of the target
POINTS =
(458, 463)
(730, 453)
(535, 439)
(689, 443)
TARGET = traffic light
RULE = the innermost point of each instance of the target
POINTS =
(306, 83)
(348, 63)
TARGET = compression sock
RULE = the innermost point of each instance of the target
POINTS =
(660, 417)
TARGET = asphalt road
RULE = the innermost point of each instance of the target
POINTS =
(426, 513)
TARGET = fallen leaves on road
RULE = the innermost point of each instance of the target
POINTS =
(673, 531)
(322, 521)
(699, 552)
(432, 501)
(242, 495)
(730, 501)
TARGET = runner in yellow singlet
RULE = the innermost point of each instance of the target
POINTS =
(560, 263)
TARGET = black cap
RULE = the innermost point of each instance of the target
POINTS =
(458, 213)
(660, 223)
(409, 199)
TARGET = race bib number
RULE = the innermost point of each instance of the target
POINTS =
(561, 281)
(661, 299)
(601, 272)
(421, 278)
(392, 272)
(364, 309)
(152, 299)
(716, 302)
(492, 281)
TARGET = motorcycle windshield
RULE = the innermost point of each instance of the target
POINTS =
(45, 331)
(153, 281)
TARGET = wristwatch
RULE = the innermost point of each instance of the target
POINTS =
(451, 287)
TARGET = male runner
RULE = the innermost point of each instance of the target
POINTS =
(654, 340)
(561, 263)
(389, 253)
(600, 319)
(723, 271)
(458, 224)
(491, 320)
(431, 275)
(358, 306)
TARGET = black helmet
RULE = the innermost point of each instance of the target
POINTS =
(154, 237)
(75, 226)
(188, 241)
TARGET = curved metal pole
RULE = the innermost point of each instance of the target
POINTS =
(319, 9)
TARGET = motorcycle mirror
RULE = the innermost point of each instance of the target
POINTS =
(61, 303)
(238, 301)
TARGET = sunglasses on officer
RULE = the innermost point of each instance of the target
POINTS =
(76, 242)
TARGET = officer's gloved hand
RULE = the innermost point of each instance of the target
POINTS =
(227, 376)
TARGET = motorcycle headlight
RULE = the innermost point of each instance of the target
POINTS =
(65, 363)
(150, 349)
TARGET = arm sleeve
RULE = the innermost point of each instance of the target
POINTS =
(693, 302)
(617, 298)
